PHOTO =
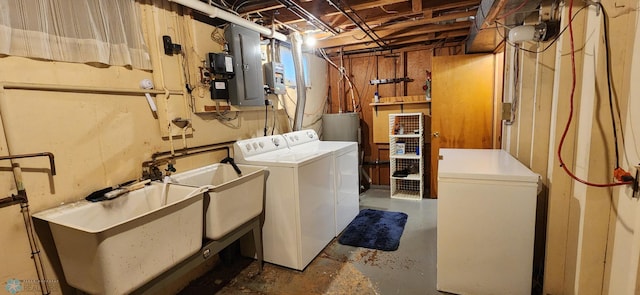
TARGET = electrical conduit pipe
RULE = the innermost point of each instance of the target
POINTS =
(215, 12)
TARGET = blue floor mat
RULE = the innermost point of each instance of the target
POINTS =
(375, 229)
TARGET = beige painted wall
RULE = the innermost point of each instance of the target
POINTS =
(592, 243)
(101, 139)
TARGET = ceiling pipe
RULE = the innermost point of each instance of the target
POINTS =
(355, 22)
(215, 12)
(298, 10)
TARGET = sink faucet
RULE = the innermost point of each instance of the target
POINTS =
(21, 197)
(150, 169)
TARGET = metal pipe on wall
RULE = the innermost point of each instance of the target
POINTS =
(301, 87)
(22, 199)
(215, 12)
(83, 89)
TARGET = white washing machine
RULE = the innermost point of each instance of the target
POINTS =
(344, 172)
(299, 205)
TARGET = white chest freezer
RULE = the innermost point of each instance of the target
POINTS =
(486, 222)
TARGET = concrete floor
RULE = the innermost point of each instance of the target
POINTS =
(341, 269)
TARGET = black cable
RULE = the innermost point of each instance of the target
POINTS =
(605, 21)
(266, 115)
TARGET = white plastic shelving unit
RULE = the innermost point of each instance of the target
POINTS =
(407, 129)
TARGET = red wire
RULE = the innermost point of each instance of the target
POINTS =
(566, 129)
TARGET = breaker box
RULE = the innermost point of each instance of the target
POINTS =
(246, 86)
(274, 77)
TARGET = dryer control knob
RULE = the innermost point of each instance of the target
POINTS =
(255, 145)
(248, 147)
(276, 141)
(310, 134)
(261, 144)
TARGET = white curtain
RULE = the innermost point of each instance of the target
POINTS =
(84, 31)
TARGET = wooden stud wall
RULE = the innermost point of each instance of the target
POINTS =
(365, 67)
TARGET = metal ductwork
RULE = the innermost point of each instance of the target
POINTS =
(496, 17)
(301, 87)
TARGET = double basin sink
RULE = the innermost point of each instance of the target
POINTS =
(116, 246)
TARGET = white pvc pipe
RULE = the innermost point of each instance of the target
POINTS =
(215, 12)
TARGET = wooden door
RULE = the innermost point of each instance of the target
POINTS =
(462, 105)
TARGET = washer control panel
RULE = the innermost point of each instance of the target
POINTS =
(300, 137)
(259, 145)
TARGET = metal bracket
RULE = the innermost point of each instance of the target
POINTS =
(595, 3)
(387, 81)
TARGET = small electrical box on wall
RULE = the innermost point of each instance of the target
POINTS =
(274, 77)
(219, 89)
(221, 70)
(221, 64)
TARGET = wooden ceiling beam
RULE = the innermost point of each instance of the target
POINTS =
(428, 12)
(396, 34)
(358, 35)
(416, 5)
(378, 21)
(336, 51)
(268, 8)
(432, 20)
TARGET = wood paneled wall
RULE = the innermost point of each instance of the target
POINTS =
(592, 236)
(363, 68)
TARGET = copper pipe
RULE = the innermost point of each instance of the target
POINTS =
(12, 200)
(52, 163)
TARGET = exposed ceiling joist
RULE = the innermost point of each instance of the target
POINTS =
(416, 5)
(422, 39)
(365, 24)
(385, 34)
(386, 30)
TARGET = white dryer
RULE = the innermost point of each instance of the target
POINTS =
(299, 204)
(344, 172)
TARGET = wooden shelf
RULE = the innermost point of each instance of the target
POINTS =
(398, 100)
(394, 105)
(415, 177)
(397, 103)
(405, 156)
(408, 135)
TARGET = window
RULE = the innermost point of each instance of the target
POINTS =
(286, 57)
(106, 31)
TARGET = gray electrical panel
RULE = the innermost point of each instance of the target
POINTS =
(246, 87)
(274, 77)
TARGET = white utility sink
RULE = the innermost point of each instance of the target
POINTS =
(234, 199)
(115, 246)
